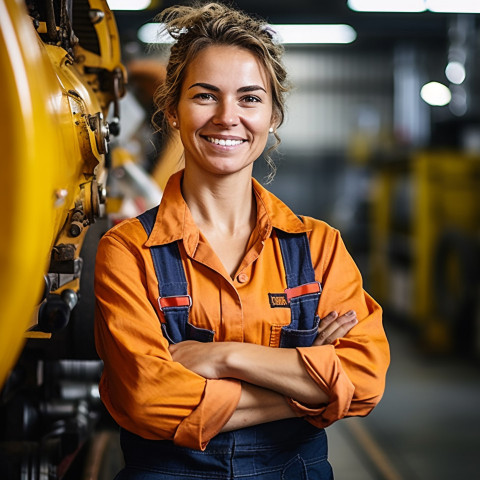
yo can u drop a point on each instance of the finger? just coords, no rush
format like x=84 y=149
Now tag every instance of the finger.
x=341 y=331
x=328 y=331
x=325 y=321
x=332 y=321
x=346 y=317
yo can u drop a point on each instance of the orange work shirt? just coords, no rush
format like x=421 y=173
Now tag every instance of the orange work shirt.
x=149 y=394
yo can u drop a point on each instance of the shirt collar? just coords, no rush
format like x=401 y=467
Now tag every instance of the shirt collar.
x=272 y=212
x=174 y=220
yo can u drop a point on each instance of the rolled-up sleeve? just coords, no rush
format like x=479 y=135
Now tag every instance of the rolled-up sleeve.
x=144 y=390
x=352 y=371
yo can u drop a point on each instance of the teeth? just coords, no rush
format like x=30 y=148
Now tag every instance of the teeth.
x=221 y=141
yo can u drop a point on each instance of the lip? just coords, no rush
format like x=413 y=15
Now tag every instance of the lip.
x=224 y=138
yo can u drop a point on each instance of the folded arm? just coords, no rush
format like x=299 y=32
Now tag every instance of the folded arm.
x=269 y=375
x=340 y=375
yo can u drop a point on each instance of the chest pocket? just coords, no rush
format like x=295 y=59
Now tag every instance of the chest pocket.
x=303 y=292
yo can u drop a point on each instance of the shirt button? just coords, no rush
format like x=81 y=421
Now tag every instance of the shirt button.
x=242 y=278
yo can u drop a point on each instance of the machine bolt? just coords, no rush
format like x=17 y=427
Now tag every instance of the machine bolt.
x=76 y=228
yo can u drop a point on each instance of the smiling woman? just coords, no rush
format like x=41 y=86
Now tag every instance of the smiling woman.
x=224 y=112
x=221 y=361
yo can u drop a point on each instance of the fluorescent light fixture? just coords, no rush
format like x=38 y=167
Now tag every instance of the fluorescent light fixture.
x=455 y=72
x=288 y=34
x=453 y=6
x=128 y=4
x=153 y=33
x=315 y=34
x=436 y=94
x=412 y=6
x=415 y=6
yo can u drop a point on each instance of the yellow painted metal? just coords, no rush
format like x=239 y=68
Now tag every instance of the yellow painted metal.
x=382 y=188
x=28 y=139
x=447 y=188
x=389 y=281
x=108 y=38
x=52 y=137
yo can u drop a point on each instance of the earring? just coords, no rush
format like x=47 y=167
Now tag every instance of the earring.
x=270 y=129
x=174 y=124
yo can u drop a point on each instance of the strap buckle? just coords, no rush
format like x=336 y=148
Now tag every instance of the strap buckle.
x=175 y=301
x=305 y=289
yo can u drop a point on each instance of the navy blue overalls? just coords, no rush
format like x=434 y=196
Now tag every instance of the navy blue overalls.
x=289 y=449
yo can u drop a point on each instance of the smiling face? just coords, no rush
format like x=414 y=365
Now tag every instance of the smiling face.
x=225 y=110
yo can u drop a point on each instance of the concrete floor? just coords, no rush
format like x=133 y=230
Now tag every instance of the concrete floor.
x=427 y=426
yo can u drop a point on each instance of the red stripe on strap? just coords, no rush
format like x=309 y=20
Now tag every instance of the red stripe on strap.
x=180 y=301
x=302 y=290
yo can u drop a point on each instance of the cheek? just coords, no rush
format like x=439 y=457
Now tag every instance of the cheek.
x=261 y=123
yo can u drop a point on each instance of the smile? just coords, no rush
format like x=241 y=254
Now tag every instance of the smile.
x=223 y=142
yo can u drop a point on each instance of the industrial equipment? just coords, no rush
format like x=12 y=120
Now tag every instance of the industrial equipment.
x=426 y=246
x=61 y=82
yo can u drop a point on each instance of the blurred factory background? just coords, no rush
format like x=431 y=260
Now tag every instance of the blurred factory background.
x=381 y=140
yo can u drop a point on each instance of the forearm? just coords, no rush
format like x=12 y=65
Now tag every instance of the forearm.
x=279 y=370
x=258 y=405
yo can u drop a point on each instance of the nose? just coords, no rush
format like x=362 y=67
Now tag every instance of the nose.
x=226 y=114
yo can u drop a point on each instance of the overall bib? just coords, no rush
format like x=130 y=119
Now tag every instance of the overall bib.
x=290 y=449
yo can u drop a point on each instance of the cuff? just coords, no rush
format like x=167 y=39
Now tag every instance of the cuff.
x=220 y=399
x=325 y=368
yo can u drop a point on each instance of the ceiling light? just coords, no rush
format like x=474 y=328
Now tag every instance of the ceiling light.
x=455 y=72
x=387 y=5
x=436 y=94
x=414 y=6
x=153 y=33
x=315 y=34
x=128 y=4
x=453 y=6
x=288 y=34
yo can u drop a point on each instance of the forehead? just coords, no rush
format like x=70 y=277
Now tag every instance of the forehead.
x=226 y=66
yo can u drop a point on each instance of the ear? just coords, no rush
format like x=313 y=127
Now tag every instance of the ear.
x=172 y=118
x=274 y=121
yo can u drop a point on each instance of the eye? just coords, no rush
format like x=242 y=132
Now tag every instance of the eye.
x=204 y=97
x=251 y=99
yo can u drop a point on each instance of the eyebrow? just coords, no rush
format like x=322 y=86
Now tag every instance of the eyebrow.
x=213 y=88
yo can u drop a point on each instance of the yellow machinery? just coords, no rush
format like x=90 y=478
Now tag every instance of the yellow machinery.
x=61 y=78
x=426 y=246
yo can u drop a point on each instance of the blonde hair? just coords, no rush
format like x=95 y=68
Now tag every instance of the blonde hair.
x=202 y=25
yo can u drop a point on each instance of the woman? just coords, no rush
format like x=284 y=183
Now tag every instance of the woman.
x=194 y=297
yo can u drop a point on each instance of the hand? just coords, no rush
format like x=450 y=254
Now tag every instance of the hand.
x=205 y=359
x=332 y=327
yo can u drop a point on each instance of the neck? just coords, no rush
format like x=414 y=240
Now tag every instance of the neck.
x=222 y=202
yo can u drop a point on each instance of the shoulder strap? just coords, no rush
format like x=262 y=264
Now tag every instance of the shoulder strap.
x=297 y=260
x=173 y=299
x=166 y=260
